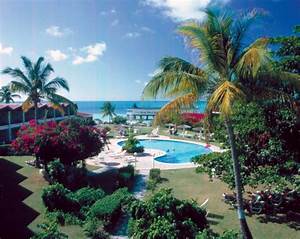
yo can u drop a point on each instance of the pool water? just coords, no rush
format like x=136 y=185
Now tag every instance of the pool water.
x=176 y=151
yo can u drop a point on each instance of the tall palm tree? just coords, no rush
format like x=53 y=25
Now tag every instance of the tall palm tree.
x=227 y=71
x=34 y=82
x=6 y=95
x=108 y=109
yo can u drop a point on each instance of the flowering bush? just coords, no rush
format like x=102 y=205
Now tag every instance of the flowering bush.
x=69 y=141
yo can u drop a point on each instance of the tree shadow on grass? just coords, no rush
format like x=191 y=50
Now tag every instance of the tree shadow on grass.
x=15 y=215
x=214 y=219
x=280 y=219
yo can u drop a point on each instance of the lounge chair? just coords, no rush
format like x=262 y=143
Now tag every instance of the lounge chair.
x=154 y=133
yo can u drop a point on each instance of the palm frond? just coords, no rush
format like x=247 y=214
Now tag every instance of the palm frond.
x=18 y=74
x=57 y=83
x=27 y=104
x=176 y=106
x=176 y=76
x=17 y=86
x=46 y=72
x=254 y=58
x=222 y=98
x=38 y=64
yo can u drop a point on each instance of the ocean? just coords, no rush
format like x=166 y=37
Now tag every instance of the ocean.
x=121 y=107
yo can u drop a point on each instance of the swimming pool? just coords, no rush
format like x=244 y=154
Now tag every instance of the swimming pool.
x=176 y=151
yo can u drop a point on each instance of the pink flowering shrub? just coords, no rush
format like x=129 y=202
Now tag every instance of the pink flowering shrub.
x=69 y=141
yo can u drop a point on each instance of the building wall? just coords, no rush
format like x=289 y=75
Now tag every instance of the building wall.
x=9 y=131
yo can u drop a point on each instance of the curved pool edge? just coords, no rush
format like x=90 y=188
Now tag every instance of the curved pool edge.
x=213 y=148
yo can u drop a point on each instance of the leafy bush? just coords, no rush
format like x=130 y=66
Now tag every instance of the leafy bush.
x=94 y=229
x=49 y=231
x=56 y=171
x=109 y=208
x=154 y=174
x=119 y=120
x=88 y=196
x=65 y=218
x=75 y=178
x=132 y=145
x=126 y=176
x=163 y=216
x=56 y=197
x=154 y=178
x=209 y=234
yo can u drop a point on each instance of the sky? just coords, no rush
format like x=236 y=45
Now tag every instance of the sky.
x=109 y=49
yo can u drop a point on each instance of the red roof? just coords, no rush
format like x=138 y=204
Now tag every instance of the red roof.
x=84 y=115
x=193 y=117
x=13 y=106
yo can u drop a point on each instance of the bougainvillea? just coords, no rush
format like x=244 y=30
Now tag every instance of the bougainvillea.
x=69 y=141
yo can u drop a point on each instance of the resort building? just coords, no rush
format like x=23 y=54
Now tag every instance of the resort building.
x=12 y=117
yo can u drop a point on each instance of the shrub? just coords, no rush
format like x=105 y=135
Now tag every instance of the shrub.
x=163 y=216
x=56 y=197
x=75 y=178
x=94 y=229
x=88 y=196
x=132 y=145
x=49 y=231
x=209 y=234
x=119 y=120
x=65 y=218
x=154 y=174
x=126 y=176
x=108 y=208
x=69 y=141
x=56 y=171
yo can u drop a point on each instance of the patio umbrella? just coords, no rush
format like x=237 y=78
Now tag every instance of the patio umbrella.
x=184 y=126
x=169 y=125
x=197 y=129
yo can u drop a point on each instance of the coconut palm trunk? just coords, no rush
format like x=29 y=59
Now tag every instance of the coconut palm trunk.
x=238 y=182
x=35 y=111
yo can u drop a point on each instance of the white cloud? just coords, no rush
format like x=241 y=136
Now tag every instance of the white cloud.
x=6 y=50
x=138 y=81
x=181 y=11
x=56 y=31
x=132 y=35
x=115 y=22
x=147 y=29
x=56 y=55
x=93 y=52
x=111 y=11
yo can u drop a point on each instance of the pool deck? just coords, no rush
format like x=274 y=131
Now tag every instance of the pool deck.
x=114 y=157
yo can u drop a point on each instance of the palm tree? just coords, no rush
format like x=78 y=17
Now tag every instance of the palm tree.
x=6 y=95
x=34 y=82
x=227 y=72
x=108 y=109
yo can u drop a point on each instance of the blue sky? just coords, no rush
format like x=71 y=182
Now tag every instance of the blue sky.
x=108 y=49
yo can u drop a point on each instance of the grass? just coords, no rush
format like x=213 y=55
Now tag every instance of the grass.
x=35 y=183
x=187 y=184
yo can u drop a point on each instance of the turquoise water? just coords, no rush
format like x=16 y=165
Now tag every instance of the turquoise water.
x=94 y=107
x=177 y=152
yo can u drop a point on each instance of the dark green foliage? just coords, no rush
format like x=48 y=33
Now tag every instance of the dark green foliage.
x=109 y=208
x=49 y=231
x=126 y=176
x=209 y=234
x=132 y=145
x=154 y=178
x=288 y=52
x=267 y=137
x=56 y=171
x=163 y=216
x=154 y=174
x=119 y=120
x=88 y=196
x=94 y=229
x=56 y=197
x=65 y=218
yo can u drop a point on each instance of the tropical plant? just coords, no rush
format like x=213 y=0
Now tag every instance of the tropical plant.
x=132 y=145
x=164 y=216
x=6 y=95
x=108 y=110
x=34 y=82
x=49 y=230
x=228 y=72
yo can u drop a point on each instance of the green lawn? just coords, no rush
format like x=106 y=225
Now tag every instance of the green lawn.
x=189 y=185
x=35 y=183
